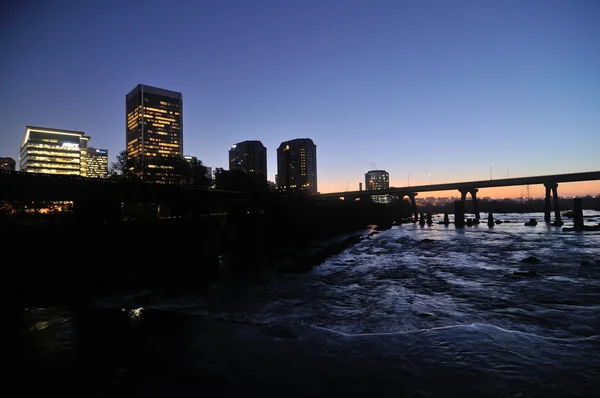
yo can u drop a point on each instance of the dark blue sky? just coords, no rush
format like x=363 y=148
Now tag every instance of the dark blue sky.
x=438 y=90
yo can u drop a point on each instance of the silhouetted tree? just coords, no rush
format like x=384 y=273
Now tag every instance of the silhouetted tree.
x=192 y=174
x=123 y=167
x=237 y=180
x=173 y=169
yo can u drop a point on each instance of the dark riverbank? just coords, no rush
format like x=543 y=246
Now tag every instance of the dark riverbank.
x=68 y=261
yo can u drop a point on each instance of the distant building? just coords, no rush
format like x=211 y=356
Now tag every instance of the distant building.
x=209 y=173
x=376 y=180
x=97 y=163
x=250 y=157
x=297 y=166
x=192 y=160
x=8 y=164
x=54 y=151
x=154 y=131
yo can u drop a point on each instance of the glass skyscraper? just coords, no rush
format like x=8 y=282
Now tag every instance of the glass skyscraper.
x=54 y=151
x=297 y=166
x=250 y=157
x=154 y=133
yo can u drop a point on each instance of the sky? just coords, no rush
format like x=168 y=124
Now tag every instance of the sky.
x=430 y=91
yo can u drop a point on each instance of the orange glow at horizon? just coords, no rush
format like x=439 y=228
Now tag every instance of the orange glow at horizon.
x=583 y=188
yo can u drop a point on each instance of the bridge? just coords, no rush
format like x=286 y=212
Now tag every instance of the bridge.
x=472 y=187
x=88 y=192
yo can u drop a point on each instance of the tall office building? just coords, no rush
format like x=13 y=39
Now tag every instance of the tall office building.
x=7 y=164
x=97 y=163
x=250 y=157
x=297 y=166
x=376 y=180
x=54 y=151
x=154 y=118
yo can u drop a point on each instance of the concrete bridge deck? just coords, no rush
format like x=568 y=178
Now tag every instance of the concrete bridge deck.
x=501 y=182
x=471 y=187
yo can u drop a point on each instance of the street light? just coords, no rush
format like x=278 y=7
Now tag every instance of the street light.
x=408 y=180
x=430 y=180
x=507 y=172
x=491 y=171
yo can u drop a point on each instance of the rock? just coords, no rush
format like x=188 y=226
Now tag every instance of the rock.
x=526 y=273
x=531 y=260
x=351 y=240
x=383 y=227
x=427 y=240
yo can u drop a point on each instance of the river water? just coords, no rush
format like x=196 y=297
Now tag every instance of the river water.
x=416 y=311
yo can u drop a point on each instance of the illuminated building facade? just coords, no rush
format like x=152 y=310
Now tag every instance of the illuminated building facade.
x=97 y=163
x=191 y=160
x=54 y=151
x=250 y=157
x=376 y=180
x=154 y=119
x=7 y=164
x=297 y=166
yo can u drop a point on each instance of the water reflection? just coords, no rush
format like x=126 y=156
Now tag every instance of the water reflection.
x=134 y=314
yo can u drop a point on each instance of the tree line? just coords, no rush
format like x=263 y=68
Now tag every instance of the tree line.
x=177 y=170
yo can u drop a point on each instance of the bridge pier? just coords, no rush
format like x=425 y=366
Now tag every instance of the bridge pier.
x=463 y=197
x=552 y=187
x=414 y=204
x=577 y=214
x=459 y=213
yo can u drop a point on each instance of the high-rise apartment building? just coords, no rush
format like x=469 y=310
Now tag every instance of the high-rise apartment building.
x=97 y=163
x=7 y=163
x=250 y=157
x=376 y=180
x=297 y=166
x=54 y=151
x=154 y=119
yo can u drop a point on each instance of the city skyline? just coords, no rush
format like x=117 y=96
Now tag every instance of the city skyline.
x=431 y=93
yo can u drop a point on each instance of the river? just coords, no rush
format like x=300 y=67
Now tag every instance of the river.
x=415 y=311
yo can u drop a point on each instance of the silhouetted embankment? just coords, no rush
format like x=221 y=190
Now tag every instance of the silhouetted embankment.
x=75 y=259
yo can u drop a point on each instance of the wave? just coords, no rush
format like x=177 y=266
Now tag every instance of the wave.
x=459 y=326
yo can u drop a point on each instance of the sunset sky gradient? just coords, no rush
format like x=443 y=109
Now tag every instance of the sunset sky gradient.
x=431 y=91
